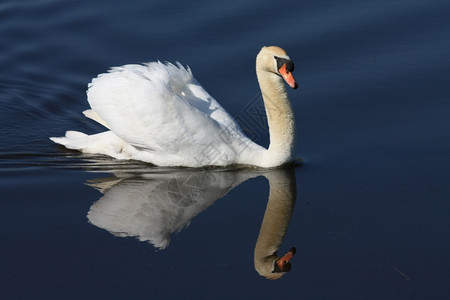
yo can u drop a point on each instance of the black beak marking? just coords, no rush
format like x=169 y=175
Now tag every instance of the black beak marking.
x=284 y=61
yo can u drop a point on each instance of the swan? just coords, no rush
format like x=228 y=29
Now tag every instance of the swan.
x=160 y=114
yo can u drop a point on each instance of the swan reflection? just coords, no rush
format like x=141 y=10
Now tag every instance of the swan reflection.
x=280 y=206
x=152 y=206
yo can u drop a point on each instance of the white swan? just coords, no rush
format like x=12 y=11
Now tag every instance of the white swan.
x=159 y=113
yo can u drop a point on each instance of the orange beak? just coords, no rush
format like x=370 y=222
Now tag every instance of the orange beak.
x=283 y=261
x=288 y=77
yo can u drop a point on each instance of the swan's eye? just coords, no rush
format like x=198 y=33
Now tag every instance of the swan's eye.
x=284 y=61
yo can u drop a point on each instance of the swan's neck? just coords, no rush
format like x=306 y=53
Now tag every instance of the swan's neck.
x=280 y=206
x=279 y=117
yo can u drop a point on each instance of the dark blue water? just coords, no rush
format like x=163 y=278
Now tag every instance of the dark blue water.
x=372 y=200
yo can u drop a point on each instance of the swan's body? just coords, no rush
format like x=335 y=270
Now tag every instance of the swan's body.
x=159 y=113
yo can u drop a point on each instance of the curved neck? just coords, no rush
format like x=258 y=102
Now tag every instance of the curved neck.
x=280 y=206
x=280 y=118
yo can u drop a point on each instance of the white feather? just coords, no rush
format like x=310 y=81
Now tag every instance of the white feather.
x=159 y=113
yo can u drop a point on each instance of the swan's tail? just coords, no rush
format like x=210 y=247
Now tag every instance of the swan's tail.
x=101 y=143
x=73 y=140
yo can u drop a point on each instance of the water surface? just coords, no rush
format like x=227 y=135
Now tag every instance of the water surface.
x=370 y=212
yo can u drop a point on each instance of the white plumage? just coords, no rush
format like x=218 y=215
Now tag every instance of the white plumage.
x=159 y=113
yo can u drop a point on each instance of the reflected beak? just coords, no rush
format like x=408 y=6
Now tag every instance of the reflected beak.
x=283 y=262
x=288 y=77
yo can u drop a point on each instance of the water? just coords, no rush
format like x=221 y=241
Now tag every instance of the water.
x=370 y=218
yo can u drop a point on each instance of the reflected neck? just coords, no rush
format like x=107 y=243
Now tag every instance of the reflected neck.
x=280 y=206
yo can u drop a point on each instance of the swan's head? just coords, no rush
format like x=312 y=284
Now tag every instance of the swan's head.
x=274 y=267
x=273 y=59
